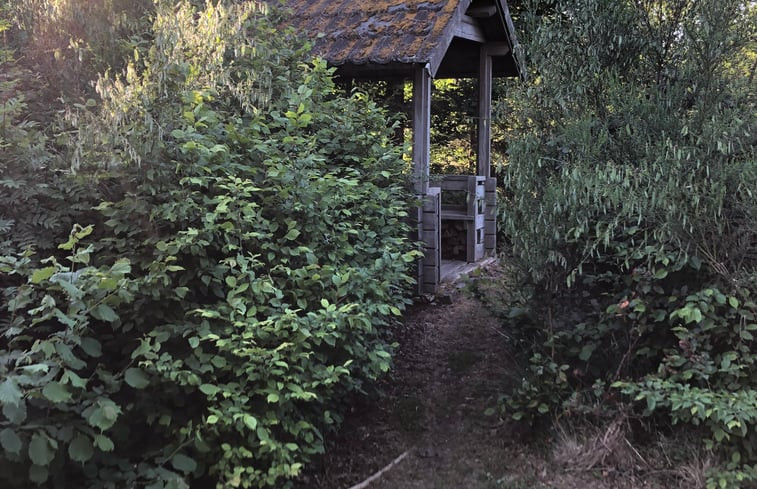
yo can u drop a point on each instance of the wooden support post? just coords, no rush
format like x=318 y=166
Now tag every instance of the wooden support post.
x=415 y=220
x=421 y=128
x=490 y=224
x=483 y=160
x=432 y=235
x=429 y=225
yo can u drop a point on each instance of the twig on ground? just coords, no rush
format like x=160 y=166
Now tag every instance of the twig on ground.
x=380 y=473
x=500 y=333
x=636 y=452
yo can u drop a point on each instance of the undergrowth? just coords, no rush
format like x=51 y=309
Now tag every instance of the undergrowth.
x=629 y=206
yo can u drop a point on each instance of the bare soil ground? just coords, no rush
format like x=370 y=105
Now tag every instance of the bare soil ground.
x=452 y=364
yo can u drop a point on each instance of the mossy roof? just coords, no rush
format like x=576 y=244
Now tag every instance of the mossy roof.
x=376 y=31
x=371 y=33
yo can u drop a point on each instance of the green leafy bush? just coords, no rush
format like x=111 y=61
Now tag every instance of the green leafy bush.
x=246 y=261
x=630 y=208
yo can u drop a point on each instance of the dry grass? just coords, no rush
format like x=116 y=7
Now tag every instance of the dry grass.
x=667 y=463
x=598 y=448
x=688 y=459
x=693 y=475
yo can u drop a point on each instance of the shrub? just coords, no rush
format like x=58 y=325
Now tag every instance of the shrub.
x=239 y=278
x=630 y=209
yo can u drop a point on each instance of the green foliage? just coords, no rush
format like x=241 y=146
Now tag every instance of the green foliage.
x=630 y=208
x=636 y=146
x=454 y=126
x=56 y=396
x=247 y=257
x=706 y=377
x=38 y=203
x=454 y=120
x=23 y=148
x=66 y=43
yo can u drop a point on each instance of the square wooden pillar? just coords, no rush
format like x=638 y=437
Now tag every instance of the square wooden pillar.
x=490 y=214
x=428 y=223
x=483 y=156
x=421 y=128
x=432 y=237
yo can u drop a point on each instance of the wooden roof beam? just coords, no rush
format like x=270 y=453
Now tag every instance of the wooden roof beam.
x=497 y=49
x=482 y=11
x=468 y=28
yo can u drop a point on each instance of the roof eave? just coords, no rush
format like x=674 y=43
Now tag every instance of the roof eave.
x=512 y=39
x=437 y=55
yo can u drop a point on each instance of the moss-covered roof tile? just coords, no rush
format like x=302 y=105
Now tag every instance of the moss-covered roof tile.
x=376 y=31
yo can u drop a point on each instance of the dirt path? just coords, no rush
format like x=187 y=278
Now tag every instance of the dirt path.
x=448 y=372
x=452 y=364
x=446 y=386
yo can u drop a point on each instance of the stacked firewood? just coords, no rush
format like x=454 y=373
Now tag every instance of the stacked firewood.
x=454 y=242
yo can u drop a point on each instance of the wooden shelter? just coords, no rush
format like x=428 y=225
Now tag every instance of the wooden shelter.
x=421 y=40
